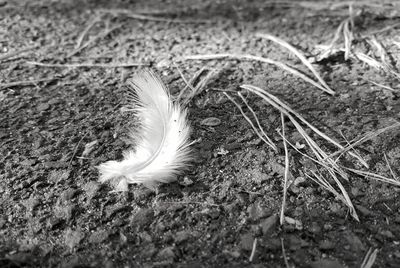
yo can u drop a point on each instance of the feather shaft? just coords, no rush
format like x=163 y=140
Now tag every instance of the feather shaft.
x=162 y=147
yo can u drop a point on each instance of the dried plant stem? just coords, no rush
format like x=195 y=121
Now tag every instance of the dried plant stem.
x=278 y=103
x=25 y=83
x=364 y=139
x=284 y=254
x=253 y=250
x=138 y=16
x=331 y=167
x=86 y=30
x=257 y=121
x=265 y=139
x=286 y=175
x=369 y=258
x=296 y=52
x=92 y=40
x=390 y=168
x=16 y=53
x=79 y=65
x=260 y=59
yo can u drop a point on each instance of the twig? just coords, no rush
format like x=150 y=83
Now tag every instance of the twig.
x=298 y=54
x=390 y=168
x=130 y=14
x=86 y=30
x=78 y=65
x=277 y=103
x=253 y=250
x=257 y=121
x=15 y=53
x=284 y=254
x=261 y=59
x=364 y=139
x=387 y=28
x=25 y=83
x=374 y=176
x=382 y=86
x=268 y=141
x=92 y=40
x=286 y=176
x=76 y=150
x=369 y=258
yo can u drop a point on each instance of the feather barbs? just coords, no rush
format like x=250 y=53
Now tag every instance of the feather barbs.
x=162 y=147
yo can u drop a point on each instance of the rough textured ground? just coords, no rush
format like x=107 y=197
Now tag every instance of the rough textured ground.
x=54 y=213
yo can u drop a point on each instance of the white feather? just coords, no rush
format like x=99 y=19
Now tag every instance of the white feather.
x=162 y=147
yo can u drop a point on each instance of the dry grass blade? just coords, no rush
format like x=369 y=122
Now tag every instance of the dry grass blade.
x=285 y=259
x=86 y=30
x=331 y=167
x=25 y=83
x=260 y=59
x=258 y=122
x=16 y=53
x=200 y=86
x=380 y=50
x=296 y=52
x=348 y=38
x=385 y=29
x=138 y=16
x=390 y=168
x=382 y=86
x=320 y=180
x=188 y=84
x=94 y=39
x=279 y=103
x=79 y=65
x=364 y=139
x=376 y=64
x=286 y=176
x=374 y=176
x=336 y=36
x=369 y=258
x=253 y=250
x=266 y=140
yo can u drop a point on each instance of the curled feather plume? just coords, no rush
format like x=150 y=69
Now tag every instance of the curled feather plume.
x=162 y=147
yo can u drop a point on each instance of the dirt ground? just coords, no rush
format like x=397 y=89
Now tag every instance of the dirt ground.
x=58 y=123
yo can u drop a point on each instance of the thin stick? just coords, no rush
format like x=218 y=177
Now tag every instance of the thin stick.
x=191 y=82
x=387 y=28
x=92 y=40
x=298 y=54
x=278 y=103
x=377 y=177
x=286 y=176
x=86 y=30
x=261 y=59
x=79 y=65
x=382 y=86
x=369 y=258
x=273 y=146
x=25 y=83
x=15 y=53
x=129 y=14
x=348 y=38
x=364 y=139
x=253 y=250
x=390 y=168
x=257 y=121
x=284 y=254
